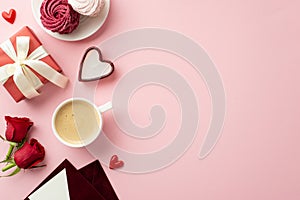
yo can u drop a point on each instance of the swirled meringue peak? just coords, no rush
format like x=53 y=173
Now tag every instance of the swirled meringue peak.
x=59 y=16
x=90 y=8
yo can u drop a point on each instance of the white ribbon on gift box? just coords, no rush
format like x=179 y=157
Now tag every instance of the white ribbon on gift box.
x=26 y=81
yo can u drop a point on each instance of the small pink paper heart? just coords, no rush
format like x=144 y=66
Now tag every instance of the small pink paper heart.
x=93 y=66
x=115 y=162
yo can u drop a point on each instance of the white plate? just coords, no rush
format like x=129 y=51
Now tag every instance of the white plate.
x=87 y=25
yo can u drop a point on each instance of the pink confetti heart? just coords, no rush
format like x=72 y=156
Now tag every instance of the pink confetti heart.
x=115 y=162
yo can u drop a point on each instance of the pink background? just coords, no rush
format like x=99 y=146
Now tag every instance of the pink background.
x=254 y=44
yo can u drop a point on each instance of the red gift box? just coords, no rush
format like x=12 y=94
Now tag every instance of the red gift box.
x=5 y=59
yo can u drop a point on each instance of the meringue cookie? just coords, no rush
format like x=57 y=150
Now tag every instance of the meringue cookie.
x=90 y=8
x=59 y=16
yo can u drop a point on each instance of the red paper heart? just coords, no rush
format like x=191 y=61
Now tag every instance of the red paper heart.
x=115 y=162
x=9 y=17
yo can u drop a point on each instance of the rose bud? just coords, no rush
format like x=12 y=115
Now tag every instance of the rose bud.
x=17 y=128
x=29 y=155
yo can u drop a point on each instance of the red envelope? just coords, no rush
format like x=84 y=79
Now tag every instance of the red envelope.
x=95 y=174
x=90 y=182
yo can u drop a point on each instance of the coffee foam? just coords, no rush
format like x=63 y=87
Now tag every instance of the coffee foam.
x=76 y=122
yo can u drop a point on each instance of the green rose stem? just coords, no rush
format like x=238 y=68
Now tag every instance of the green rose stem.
x=9 y=166
x=17 y=170
x=12 y=145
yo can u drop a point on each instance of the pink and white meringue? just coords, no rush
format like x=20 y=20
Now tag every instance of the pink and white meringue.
x=90 y=8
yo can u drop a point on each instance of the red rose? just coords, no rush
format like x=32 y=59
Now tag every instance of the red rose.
x=17 y=128
x=30 y=154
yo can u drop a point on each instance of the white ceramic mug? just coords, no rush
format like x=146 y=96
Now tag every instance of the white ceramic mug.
x=77 y=122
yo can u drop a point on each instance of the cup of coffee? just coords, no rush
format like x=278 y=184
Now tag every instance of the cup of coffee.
x=77 y=122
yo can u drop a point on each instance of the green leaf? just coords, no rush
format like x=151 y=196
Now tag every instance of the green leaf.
x=22 y=143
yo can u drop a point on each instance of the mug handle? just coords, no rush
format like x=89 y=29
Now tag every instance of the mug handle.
x=105 y=107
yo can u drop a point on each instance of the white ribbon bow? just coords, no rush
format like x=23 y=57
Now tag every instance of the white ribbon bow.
x=26 y=81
